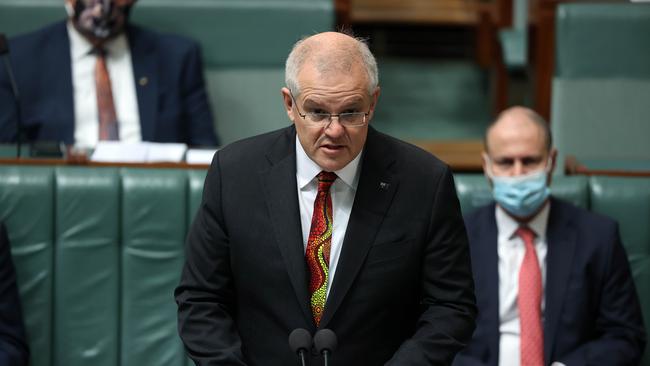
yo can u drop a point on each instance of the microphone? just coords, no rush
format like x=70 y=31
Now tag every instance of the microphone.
x=300 y=343
x=325 y=342
x=4 y=52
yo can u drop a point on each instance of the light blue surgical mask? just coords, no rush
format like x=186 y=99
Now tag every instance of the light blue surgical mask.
x=522 y=195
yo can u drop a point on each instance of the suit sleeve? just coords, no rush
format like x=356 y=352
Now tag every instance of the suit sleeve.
x=198 y=116
x=620 y=336
x=205 y=295
x=447 y=288
x=13 y=342
x=7 y=108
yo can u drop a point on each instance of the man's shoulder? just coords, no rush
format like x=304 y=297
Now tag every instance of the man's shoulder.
x=170 y=42
x=257 y=148
x=406 y=155
x=27 y=42
x=579 y=216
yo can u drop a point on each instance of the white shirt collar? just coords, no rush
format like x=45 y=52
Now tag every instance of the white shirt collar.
x=307 y=169
x=80 y=47
x=507 y=226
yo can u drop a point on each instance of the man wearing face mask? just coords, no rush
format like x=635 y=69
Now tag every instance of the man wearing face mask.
x=553 y=284
x=97 y=77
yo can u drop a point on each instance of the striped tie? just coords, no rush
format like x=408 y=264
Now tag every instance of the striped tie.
x=319 y=243
x=105 y=107
x=529 y=301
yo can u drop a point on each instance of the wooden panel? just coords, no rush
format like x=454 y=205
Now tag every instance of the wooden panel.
x=460 y=155
x=414 y=11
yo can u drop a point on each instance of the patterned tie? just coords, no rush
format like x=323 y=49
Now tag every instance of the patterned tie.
x=319 y=243
x=105 y=107
x=529 y=302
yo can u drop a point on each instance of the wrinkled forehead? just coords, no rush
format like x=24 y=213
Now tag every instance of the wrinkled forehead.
x=105 y=2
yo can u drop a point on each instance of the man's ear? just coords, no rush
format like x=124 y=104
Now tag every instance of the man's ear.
x=485 y=162
x=288 y=103
x=553 y=157
x=373 y=102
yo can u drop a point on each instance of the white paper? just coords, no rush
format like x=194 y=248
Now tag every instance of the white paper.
x=200 y=156
x=143 y=152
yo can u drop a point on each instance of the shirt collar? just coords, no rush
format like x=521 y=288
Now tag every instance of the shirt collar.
x=80 y=47
x=507 y=226
x=307 y=169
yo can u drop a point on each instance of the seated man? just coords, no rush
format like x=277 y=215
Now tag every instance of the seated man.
x=13 y=343
x=553 y=284
x=95 y=77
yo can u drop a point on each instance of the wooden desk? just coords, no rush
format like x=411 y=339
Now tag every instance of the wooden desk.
x=634 y=168
x=461 y=155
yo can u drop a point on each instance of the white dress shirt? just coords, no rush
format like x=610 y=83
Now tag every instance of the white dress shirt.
x=342 y=192
x=511 y=252
x=120 y=69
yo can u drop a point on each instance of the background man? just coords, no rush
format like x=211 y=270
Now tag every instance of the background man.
x=14 y=350
x=553 y=284
x=96 y=77
x=327 y=224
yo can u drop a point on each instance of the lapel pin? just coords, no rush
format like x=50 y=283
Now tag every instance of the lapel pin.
x=143 y=81
x=383 y=185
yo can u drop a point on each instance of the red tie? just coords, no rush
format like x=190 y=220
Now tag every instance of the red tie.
x=319 y=243
x=529 y=302
x=105 y=107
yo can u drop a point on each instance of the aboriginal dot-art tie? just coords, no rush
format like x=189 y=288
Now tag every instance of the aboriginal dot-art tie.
x=108 y=129
x=529 y=301
x=319 y=244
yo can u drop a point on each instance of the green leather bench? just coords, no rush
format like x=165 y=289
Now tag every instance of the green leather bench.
x=601 y=85
x=244 y=44
x=99 y=251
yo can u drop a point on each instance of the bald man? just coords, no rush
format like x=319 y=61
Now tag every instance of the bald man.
x=553 y=284
x=327 y=224
x=96 y=77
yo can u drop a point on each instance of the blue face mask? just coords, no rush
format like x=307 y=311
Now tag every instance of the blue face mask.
x=523 y=195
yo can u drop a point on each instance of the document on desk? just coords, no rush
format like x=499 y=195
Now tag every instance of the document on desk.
x=142 y=152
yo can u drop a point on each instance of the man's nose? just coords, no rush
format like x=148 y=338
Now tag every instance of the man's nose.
x=334 y=128
x=518 y=168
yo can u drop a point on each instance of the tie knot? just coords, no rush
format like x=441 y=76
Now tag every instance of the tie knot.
x=99 y=51
x=526 y=234
x=325 y=180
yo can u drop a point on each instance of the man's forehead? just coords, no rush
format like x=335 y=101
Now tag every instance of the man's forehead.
x=116 y=2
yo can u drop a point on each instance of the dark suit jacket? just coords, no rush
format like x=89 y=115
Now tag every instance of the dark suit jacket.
x=172 y=103
x=13 y=342
x=402 y=293
x=592 y=314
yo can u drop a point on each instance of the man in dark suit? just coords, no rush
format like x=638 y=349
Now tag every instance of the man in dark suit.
x=553 y=284
x=158 y=91
x=13 y=342
x=381 y=259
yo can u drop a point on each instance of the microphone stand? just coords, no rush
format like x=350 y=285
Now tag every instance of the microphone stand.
x=19 y=127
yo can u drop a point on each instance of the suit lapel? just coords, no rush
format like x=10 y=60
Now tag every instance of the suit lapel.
x=145 y=74
x=561 y=239
x=377 y=186
x=59 y=66
x=280 y=189
x=487 y=278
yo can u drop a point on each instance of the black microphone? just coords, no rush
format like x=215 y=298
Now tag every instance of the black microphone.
x=325 y=342
x=4 y=52
x=300 y=343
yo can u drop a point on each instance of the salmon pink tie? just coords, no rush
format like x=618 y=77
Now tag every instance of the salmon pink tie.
x=319 y=244
x=105 y=106
x=529 y=302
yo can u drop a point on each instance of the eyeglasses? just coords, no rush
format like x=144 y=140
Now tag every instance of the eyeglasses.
x=323 y=120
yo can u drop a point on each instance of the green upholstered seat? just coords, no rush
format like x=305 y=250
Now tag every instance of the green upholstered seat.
x=601 y=86
x=27 y=208
x=627 y=200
